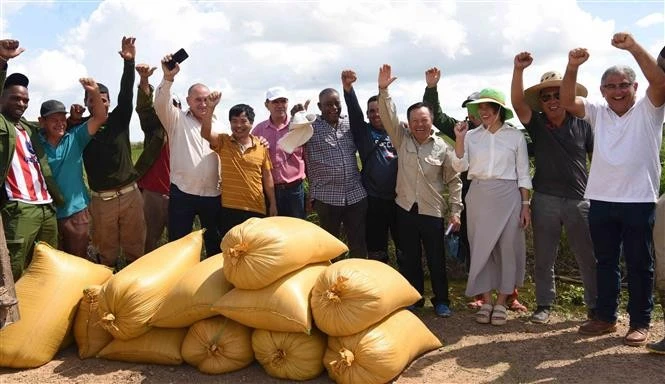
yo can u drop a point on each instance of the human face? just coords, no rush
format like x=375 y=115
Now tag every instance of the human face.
x=550 y=104
x=14 y=102
x=240 y=126
x=105 y=100
x=420 y=124
x=278 y=108
x=330 y=107
x=373 y=115
x=196 y=99
x=489 y=114
x=54 y=125
x=619 y=92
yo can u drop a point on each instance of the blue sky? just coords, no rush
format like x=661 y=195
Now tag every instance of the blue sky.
x=243 y=48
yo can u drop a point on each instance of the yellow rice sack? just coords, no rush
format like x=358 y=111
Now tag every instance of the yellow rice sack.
x=218 y=345
x=193 y=296
x=260 y=251
x=132 y=296
x=88 y=332
x=157 y=346
x=380 y=353
x=353 y=294
x=48 y=295
x=281 y=306
x=291 y=356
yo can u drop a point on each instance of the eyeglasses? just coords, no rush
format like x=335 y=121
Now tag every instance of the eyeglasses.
x=614 y=87
x=545 y=97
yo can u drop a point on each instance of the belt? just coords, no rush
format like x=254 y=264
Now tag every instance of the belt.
x=110 y=195
x=288 y=185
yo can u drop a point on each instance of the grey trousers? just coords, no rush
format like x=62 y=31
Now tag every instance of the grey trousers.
x=549 y=213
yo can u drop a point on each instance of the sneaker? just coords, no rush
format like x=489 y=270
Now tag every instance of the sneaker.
x=597 y=327
x=541 y=315
x=442 y=310
x=657 y=347
x=636 y=337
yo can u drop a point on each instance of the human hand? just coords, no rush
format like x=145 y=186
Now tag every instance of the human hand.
x=9 y=49
x=128 y=48
x=272 y=210
x=623 y=40
x=76 y=111
x=348 y=78
x=299 y=107
x=461 y=128
x=432 y=77
x=525 y=216
x=144 y=70
x=455 y=222
x=577 y=56
x=212 y=100
x=385 y=76
x=263 y=141
x=169 y=74
x=523 y=60
x=89 y=85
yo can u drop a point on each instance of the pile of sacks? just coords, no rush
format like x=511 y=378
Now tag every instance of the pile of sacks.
x=271 y=295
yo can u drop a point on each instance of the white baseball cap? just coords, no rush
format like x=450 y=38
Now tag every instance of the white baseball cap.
x=275 y=93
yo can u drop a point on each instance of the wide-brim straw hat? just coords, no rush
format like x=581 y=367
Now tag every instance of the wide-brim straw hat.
x=489 y=95
x=300 y=131
x=548 y=80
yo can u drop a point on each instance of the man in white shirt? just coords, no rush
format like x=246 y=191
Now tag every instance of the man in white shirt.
x=195 y=183
x=623 y=183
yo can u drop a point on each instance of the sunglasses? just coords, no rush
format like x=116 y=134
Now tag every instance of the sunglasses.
x=545 y=97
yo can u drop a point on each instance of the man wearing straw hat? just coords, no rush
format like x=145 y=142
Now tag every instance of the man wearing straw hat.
x=623 y=183
x=561 y=143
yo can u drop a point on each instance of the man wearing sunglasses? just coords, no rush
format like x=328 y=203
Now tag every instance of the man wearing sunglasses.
x=561 y=144
x=623 y=182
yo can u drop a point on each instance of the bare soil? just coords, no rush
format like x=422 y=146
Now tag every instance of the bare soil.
x=519 y=352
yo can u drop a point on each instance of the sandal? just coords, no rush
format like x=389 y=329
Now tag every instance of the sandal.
x=517 y=306
x=483 y=315
x=499 y=315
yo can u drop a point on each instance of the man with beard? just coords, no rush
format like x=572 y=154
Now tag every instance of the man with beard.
x=561 y=143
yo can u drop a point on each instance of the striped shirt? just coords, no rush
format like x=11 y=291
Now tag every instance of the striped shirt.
x=332 y=166
x=242 y=172
x=25 y=181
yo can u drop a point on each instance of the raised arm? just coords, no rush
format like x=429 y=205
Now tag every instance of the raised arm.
x=206 y=124
x=126 y=94
x=98 y=112
x=356 y=116
x=522 y=109
x=144 y=104
x=655 y=76
x=573 y=104
x=9 y=49
x=168 y=114
x=443 y=122
x=387 y=110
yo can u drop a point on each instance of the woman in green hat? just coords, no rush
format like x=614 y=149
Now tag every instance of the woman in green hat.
x=495 y=155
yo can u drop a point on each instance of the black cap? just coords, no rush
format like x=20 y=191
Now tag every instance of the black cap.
x=50 y=107
x=16 y=79
x=472 y=97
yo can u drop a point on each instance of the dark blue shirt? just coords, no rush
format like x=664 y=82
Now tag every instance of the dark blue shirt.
x=377 y=154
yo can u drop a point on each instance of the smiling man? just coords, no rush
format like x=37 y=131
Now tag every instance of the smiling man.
x=561 y=143
x=623 y=182
x=64 y=149
x=244 y=166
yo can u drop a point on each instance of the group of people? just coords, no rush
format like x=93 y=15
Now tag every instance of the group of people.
x=408 y=186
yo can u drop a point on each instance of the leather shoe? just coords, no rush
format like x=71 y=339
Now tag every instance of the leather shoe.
x=636 y=337
x=597 y=327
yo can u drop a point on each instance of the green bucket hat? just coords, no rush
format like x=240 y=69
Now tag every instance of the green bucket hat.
x=489 y=95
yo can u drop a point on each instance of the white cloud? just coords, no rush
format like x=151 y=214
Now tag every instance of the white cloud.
x=243 y=48
x=649 y=20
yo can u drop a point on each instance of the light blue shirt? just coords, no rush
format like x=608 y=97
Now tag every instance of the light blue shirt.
x=66 y=163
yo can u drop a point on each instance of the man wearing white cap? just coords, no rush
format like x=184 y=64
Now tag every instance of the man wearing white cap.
x=623 y=182
x=561 y=143
x=288 y=168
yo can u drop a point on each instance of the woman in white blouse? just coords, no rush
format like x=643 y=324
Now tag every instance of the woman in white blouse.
x=497 y=204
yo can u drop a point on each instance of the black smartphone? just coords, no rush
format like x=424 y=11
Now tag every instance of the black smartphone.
x=177 y=57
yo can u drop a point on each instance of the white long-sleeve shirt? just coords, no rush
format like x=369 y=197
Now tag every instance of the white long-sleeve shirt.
x=501 y=155
x=194 y=166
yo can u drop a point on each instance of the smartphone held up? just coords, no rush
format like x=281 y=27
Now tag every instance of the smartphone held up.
x=177 y=57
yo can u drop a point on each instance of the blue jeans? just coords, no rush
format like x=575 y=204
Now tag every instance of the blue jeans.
x=182 y=209
x=290 y=200
x=627 y=226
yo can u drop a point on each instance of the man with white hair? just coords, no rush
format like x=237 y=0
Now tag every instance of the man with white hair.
x=623 y=183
